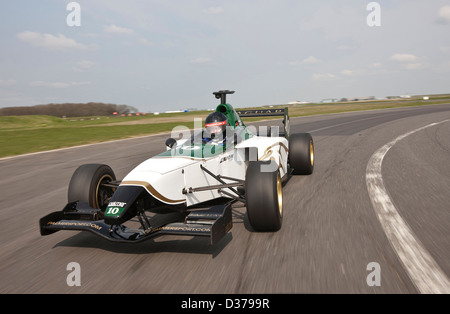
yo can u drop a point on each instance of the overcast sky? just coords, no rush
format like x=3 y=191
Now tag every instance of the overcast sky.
x=170 y=55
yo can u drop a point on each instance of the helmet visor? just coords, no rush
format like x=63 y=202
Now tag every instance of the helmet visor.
x=216 y=128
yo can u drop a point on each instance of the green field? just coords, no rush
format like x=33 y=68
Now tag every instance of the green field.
x=27 y=134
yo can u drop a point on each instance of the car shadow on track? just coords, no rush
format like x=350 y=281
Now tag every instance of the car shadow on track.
x=176 y=244
x=240 y=216
x=166 y=243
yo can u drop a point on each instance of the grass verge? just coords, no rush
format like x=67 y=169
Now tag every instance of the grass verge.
x=28 y=134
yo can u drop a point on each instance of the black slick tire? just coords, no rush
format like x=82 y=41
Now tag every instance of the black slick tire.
x=264 y=197
x=86 y=185
x=301 y=153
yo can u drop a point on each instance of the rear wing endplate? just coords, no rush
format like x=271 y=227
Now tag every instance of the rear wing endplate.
x=284 y=112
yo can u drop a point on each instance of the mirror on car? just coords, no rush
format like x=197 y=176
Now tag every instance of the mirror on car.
x=170 y=142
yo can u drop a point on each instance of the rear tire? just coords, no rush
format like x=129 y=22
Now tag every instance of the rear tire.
x=264 y=197
x=86 y=185
x=301 y=153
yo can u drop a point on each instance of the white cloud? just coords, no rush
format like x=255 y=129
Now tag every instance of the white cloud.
x=49 y=84
x=292 y=63
x=409 y=61
x=214 y=10
x=202 y=60
x=376 y=65
x=9 y=82
x=414 y=66
x=114 y=29
x=83 y=66
x=51 y=42
x=80 y=83
x=345 y=47
x=357 y=72
x=144 y=41
x=403 y=57
x=323 y=77
x=310 y=60
x=444 y=15
x=347 y=72
x=57 y=84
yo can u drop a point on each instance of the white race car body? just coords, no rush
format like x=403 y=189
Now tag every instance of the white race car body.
x=167 y=175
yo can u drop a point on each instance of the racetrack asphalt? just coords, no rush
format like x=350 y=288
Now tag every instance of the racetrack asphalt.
x=330 y=238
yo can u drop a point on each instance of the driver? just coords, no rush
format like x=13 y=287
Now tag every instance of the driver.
x=215 y=124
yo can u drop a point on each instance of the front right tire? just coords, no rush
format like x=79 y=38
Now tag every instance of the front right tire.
x=87 y=185
x=264 y=196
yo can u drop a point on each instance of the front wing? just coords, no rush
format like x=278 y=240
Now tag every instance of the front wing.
x=212 y=222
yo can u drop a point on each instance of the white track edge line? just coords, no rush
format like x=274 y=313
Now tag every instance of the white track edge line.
x=423 y=271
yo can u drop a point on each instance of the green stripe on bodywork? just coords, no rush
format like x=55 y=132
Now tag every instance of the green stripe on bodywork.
x=195 y=151
x=207 y=150
x=233 y=118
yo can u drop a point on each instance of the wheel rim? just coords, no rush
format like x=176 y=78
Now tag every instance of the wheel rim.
x=103 y=194
x=279 y=195
x=311 y=152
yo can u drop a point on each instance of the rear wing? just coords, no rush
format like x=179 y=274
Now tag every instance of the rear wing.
x=284 y=112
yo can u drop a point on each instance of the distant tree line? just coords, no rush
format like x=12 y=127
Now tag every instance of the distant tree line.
x=69 y=110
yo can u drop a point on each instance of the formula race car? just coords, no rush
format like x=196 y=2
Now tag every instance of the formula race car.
x=189 y=188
